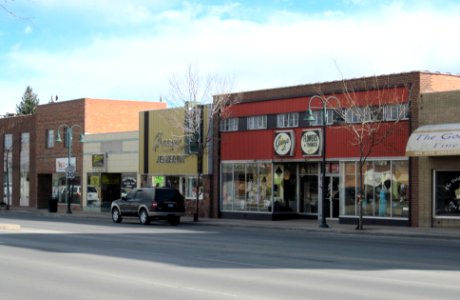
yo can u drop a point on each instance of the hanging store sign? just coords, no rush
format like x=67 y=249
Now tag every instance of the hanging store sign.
x=284 y=143
x=310 y=142
x=62 y=163
x=435 y=140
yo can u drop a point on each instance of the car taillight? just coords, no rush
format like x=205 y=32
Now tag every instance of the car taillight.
x=154 y=204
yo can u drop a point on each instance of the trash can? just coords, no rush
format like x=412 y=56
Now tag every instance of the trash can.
x=53 y=205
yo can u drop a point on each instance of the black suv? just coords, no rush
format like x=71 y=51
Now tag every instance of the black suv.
x=149 y=204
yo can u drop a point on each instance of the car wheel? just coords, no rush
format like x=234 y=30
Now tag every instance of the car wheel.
x=116 y=216
x=174 y=221
x=144 y=218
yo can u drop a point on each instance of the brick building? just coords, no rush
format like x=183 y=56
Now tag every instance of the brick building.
x=435 y=148
x=48 y=158
x=258 y=180
x=18 y=163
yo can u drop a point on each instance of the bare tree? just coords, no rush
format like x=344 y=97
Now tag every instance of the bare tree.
x=4 y=5
x=202 y=98
x=370 y=109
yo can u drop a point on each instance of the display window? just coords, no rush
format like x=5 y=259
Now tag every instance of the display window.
x=61 y=188
x=447 y=194
x=246 y=187
x=385 y=190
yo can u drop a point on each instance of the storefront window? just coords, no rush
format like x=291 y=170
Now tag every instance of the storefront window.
x=265 y=177
x=93 y=193
x=8 y=168
x=251 y=187
x=247 y=187
x=190 y=188
x=399 y=188
x=25 y=167
x=386 y=186
x=350 y=183
x=447 y=193
x=60 y=189
x=384 y=182
x=285 y=187
x=240 y=187
x=228 y=187
x=370 y=185
x=128 y=182
x=308 y=188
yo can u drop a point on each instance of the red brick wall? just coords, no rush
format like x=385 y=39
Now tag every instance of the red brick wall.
x=93 y=116
x=16 y=126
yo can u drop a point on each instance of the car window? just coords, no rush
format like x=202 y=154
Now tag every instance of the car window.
x=92 y=189
x=148 y=194
x=137 y=195
x=130 y=195
x=165 y=194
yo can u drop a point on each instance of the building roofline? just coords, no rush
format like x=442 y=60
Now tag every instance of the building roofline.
x=334 y=87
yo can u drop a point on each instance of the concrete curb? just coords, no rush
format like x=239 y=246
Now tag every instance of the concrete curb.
x=303 y=225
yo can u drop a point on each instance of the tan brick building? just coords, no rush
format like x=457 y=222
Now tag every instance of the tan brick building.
x=435 y=148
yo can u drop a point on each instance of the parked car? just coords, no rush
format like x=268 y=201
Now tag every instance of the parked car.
x=92 y=196
x=149 y=204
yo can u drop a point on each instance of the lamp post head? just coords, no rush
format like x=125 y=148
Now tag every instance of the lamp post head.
x=309 y=116
x=58 y=139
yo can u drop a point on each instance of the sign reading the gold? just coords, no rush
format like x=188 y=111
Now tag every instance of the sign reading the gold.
x=283 y=143
x=310 y=142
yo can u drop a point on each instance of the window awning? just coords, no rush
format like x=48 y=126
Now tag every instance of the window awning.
x=435 y=140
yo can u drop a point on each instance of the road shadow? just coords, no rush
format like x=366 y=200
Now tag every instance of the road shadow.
x=203 y=246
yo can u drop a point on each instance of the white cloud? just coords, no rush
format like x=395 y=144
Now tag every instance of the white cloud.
x=28 y=30
x=289 y=49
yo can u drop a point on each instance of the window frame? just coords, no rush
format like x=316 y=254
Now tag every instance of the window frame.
x=287 y=120
x=257 y=122
x=393 y=112
x=49 y=139
x=230 y=124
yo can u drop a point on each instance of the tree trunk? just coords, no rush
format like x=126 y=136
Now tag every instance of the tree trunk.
x=360 y=198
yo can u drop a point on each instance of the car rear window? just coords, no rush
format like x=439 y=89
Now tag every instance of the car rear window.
x=92 y=189
x=167 y=194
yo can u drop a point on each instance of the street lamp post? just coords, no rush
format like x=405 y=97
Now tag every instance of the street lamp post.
x=309 y=117
x=70 y=169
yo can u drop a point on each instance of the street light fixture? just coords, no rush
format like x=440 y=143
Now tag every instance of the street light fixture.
x=70 y=169
x=309 y=117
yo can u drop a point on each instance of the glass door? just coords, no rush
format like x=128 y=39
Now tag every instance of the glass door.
x=332 y=197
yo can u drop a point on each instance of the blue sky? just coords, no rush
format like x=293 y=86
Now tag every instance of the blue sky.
x=120 y=49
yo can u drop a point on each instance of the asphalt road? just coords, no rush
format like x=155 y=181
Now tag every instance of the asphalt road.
x=52 y=258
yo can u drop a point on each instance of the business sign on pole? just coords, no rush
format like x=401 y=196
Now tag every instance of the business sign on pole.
x=70 y=172
x=63 y=162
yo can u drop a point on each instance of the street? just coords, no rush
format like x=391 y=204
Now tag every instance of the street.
x=60 y=258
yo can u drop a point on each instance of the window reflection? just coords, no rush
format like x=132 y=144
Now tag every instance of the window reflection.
x=246 y=187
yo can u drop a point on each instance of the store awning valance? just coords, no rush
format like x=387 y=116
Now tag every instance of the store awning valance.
x=435 y=140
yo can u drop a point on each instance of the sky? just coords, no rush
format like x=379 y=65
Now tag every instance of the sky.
x=129 y=50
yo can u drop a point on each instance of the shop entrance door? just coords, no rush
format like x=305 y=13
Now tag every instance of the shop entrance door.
x=332 y=196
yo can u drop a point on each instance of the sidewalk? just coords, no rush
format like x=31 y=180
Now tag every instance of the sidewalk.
x=298 y=224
